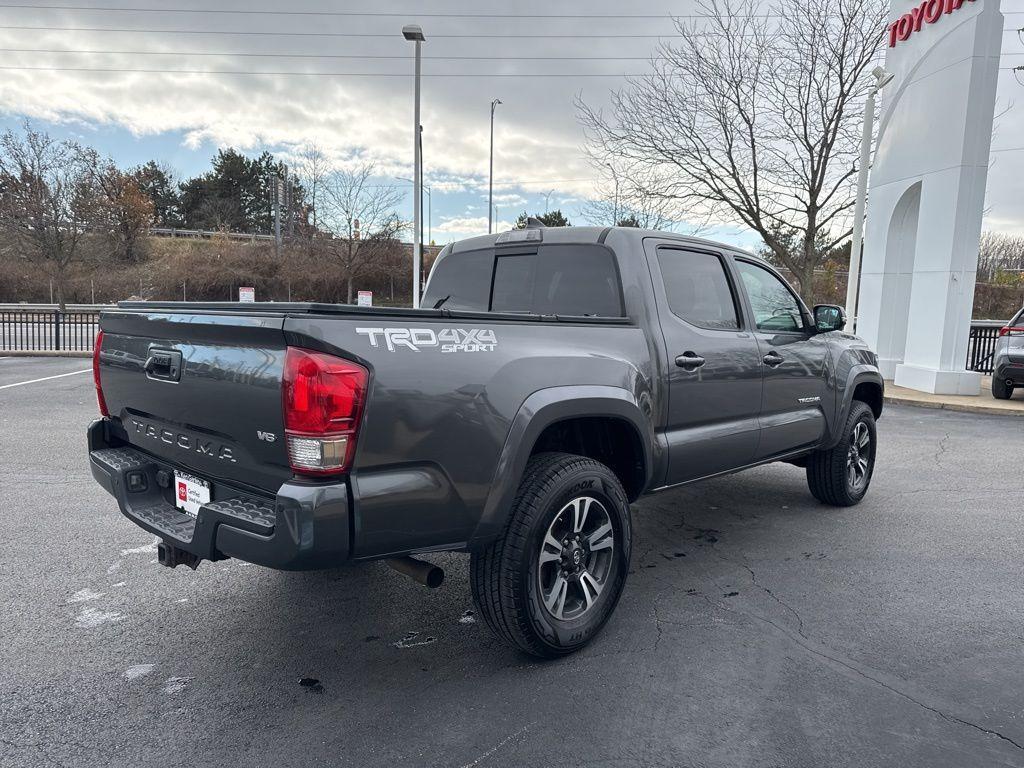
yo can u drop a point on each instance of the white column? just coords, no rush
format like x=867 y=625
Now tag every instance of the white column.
x=927 y=196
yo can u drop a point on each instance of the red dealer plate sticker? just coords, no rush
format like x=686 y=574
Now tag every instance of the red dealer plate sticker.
x=190 y=493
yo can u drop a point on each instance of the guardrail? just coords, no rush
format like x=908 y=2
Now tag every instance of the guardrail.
x=206 y=234
x=48 y=330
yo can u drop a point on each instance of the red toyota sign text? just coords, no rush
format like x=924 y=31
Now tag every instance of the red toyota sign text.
x=928 y=12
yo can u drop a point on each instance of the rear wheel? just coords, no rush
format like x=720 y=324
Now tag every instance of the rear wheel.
x=841 y=475
x=1001 y=390
x=553 y=578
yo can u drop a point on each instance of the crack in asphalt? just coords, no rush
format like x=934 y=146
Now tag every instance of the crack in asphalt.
x=777 y=599
x=822 y=652
x=807 y=644
x=657 y=625
x=511 y=737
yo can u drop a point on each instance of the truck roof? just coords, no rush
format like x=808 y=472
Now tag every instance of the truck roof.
x=586 y=235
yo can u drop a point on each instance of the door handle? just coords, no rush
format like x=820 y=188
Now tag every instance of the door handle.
x=690 y=361
x=163 y=364
x=773 y=359
x=157 y=365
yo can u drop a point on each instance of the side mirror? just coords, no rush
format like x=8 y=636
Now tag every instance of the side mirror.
x=828 y=317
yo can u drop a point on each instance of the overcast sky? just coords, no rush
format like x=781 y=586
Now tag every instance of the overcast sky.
x=182 y=119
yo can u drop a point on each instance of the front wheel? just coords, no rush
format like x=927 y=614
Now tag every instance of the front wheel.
x=551 y=580
x=841 y=475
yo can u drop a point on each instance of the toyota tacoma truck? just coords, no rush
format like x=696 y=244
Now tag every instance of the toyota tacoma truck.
x=552 y=377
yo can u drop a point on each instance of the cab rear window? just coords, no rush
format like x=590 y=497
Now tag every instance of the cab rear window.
x=580 y=280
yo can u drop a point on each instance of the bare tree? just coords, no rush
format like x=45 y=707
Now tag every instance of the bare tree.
x=49 y=199
x=126 y=208
x=313 y=168
x=751 y=116
x=626 y=200
x=1000 y=254
x=360 y=218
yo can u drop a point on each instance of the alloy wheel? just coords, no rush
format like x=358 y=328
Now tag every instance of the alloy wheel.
x=576 y=557
x=858 y=457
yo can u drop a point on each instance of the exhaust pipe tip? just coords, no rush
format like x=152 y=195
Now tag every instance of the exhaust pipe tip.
x=427 y=574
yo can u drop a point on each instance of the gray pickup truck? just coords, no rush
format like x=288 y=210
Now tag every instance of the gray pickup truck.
x=552 y=377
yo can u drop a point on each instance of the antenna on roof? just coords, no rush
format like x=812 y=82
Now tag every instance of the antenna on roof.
x=532 y=222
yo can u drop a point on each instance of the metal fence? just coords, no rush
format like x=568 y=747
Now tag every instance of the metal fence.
x=981 y=345
x=48 y=330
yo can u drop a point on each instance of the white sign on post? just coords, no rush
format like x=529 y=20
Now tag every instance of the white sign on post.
x=365 y=299
x=247 y=294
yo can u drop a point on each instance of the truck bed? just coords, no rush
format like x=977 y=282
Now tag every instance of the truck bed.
x=444 y=390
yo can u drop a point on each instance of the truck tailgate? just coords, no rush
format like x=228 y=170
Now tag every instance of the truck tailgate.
x=201 y=390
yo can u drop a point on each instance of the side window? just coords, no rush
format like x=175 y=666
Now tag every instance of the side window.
x=559 y=279
x=462 y=281
x=775 y=307
x=698 y=289
x=580 y=279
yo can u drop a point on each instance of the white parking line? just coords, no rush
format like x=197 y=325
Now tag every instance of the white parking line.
x=45 y=378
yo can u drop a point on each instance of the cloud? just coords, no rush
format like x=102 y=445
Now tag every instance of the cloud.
x=537 y=140
x=470 y=225
x=510 y=198
x=352 y=119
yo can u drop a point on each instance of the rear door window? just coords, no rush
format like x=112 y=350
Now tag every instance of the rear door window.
x=580 y=280
x=697 y=288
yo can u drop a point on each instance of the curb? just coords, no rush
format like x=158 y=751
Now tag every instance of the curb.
x=44 y=353
x=988 y=410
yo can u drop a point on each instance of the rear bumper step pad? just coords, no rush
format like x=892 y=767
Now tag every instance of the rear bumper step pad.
x=151 y=507
x=304 y=527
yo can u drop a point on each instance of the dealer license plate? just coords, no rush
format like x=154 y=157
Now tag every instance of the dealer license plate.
x=190 y=493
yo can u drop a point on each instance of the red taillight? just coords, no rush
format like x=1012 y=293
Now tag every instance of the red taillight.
x=1010 y=330
x=100 y=401
x=323 y=400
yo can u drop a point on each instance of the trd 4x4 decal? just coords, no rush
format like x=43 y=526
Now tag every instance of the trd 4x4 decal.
x=418 y=339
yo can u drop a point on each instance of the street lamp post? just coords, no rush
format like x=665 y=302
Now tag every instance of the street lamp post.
x=430 y=215
x=430 y=205
x=490 y=176
x=882 y=78
x=615 y=205
x=413 y=33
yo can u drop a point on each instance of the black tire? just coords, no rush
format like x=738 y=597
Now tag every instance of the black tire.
x=829 y=472
x=507 y=577
x=1001 y=390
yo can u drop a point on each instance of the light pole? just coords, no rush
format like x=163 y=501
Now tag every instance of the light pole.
x=430 y=197
x=415 y=34
x=615 y=208
x=490 y=176
x=430 y=205
x=882 y=78
x=430 y=215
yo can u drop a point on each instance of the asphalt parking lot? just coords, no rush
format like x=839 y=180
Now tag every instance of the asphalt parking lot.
x=757 y=628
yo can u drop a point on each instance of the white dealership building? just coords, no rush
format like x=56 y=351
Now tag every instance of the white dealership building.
x=927 y=191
